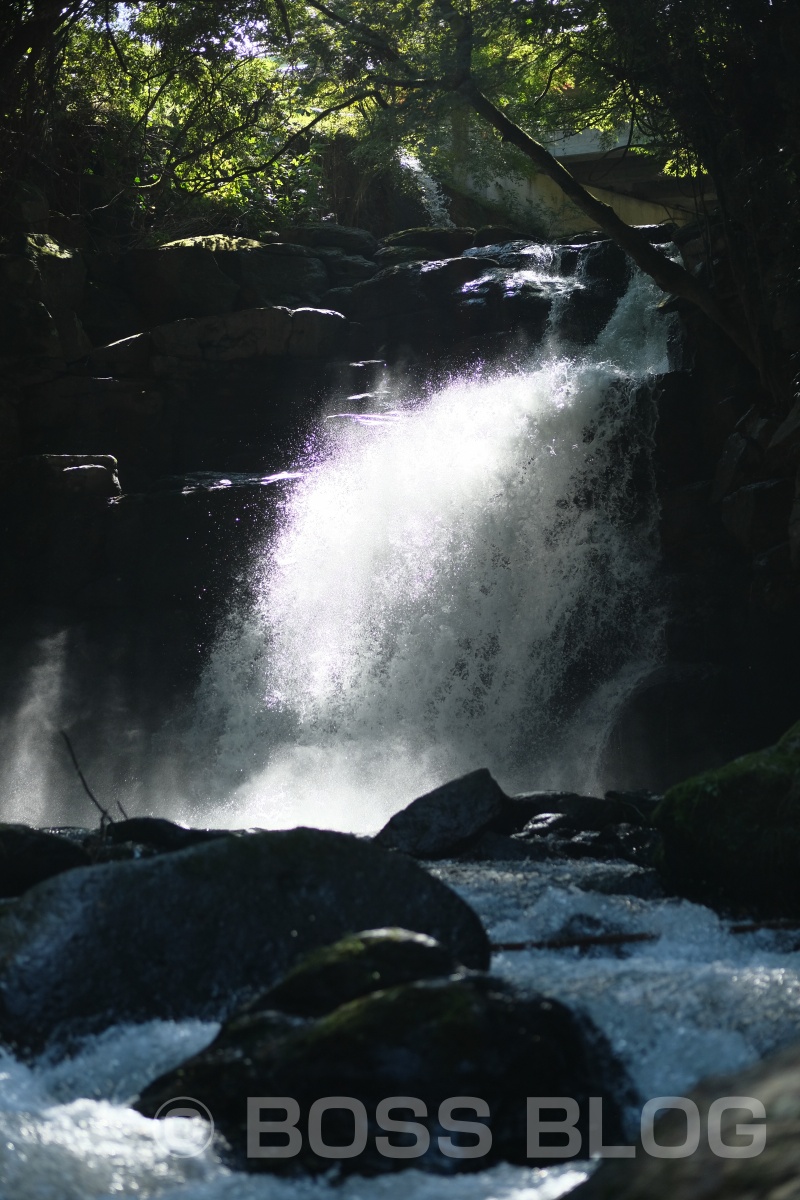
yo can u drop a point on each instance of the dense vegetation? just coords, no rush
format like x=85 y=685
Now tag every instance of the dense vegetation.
x=160 y=117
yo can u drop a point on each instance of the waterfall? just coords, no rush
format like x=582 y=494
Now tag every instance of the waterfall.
x=458 y=580
x=433 y=198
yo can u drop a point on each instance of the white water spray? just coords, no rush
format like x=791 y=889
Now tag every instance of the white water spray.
x=467 y=582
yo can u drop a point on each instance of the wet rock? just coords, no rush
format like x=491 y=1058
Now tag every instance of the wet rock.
x=355 y=966
x=159 y=834
x=29 y=856
x=439 y=242
x=584 y=314
x=607 y=263
x=195 y=932
x=435 y=823
x=732 y=835
x=431 y=1041
x=706 y=1173
x=533 y=813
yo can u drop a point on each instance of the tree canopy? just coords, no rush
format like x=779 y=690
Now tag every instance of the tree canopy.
x=147 y=113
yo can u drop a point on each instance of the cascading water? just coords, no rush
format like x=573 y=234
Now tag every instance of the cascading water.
x=459 y=581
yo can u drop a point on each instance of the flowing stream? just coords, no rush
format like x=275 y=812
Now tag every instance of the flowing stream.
x=464 y=579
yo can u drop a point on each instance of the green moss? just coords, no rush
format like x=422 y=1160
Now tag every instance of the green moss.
x=215 y=242
x=733 y=833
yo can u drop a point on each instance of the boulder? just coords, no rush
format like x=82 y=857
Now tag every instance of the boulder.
x=392 y=256
x=584 y=812
x=317 y=333
x=269 y=272
x=345 y=269
x=411 y=287
x=732 y=836
x=437 y=822
x=325 y=233
x=130 y=356
x=158 y=834
x=29 y=856
x=432 y=1041
x=250 y=333
x=355 y=966
x=771 y=1134
x=196 y=932
x=439 y=241
x=180 y=279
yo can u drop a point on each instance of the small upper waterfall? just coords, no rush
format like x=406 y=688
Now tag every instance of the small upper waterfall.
x=459 y=579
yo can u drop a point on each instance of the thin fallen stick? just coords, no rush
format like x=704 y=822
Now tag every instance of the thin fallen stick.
x=104 y=814
x=597 y=939
x=775 y=923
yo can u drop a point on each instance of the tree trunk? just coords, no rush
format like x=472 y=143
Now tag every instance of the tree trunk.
x=667 y=274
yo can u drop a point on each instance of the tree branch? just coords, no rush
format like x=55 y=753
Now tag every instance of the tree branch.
x=668 y=275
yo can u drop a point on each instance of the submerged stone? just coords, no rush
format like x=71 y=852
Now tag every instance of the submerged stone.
x=423 y=1044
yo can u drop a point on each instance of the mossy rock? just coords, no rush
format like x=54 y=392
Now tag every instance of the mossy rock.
x=198 y=932
x=433 y=1040
x=355 y=966
x=732 y=835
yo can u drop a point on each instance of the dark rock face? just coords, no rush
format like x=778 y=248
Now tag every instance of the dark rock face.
x=356 y=966
x=192 y=933
x=438 y=242
x=435 y=823
x=732 y=836
x=705 y=1175
x=675 y=722
x=29 y=856
x=430 y=1041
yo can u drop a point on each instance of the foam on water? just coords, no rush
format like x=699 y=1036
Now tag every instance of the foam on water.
x=468 y=584
x=698 y=1001
x=695 y=1002
x=56 y=1144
